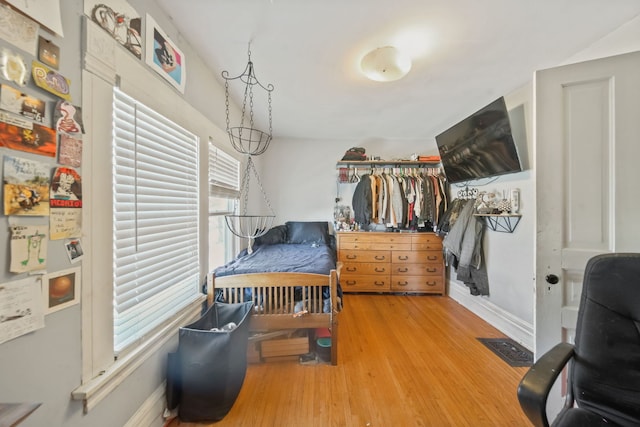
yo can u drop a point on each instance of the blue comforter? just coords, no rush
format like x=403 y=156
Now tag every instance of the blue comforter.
x=285 y=257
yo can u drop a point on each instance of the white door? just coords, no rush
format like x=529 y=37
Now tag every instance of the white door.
x=587 y=181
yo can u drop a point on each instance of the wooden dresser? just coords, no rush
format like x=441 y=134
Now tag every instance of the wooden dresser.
x=391 y=262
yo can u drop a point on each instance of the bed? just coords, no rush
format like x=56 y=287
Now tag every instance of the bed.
x=290 y=275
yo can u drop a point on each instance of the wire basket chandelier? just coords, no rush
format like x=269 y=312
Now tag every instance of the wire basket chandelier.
x=249 y=140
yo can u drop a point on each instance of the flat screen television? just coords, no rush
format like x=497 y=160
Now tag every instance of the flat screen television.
x=480 y=146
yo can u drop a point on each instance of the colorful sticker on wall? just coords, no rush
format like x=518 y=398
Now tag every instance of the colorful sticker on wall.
x=65 y=217
x=26 y=187
x=51 y=81
x=70 y=151
x=28 y=248
x=68 y=119
x=119 y=20
x=48 y=53
x=18 y=30
x=13 y=67
x=164 y=56
x=20 y=103
x=38 y=140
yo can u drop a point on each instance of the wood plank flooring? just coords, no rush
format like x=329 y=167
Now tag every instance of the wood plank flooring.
x=403 y=361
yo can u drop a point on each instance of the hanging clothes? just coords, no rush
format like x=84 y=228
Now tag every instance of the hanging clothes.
x=400 y=200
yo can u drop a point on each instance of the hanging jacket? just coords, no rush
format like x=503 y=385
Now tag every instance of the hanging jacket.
x=361 y=201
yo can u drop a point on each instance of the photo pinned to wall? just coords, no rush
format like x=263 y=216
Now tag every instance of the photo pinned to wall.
x=48 y=53
x=18 y=102
x=65 y=217
x=26 y=187
x=46 y=12
x=21 y=309
x=37 y=140
x=18 y=30
x=28 y=248
x=61 y=289
x=119 y=20
x=74 y=250
x=13 y=67
x=50 y=80
x=164 y=56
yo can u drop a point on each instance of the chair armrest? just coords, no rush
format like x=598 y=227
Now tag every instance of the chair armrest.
x=534 y=387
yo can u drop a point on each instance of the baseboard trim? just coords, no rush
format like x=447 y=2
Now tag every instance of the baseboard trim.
x=151 y=410
x=512 y=326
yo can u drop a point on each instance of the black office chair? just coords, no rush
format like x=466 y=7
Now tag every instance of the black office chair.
x=603 y=377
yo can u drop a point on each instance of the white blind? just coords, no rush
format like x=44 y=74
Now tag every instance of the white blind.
x=224 y=174
x=155 y=237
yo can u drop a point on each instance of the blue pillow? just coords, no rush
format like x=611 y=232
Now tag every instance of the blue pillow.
x=309 y=232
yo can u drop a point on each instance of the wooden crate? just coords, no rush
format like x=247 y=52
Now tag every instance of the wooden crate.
x=293 y=345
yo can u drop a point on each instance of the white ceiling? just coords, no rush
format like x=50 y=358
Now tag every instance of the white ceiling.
x=466 y=54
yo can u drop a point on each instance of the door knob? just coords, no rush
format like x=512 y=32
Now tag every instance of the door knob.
x=552 y=279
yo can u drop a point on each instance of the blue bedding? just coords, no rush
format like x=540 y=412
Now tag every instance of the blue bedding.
x=283 y=257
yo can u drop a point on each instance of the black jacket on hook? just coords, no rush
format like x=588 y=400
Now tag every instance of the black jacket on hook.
x=361 y=201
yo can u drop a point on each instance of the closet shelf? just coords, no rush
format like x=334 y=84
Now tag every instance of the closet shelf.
x=501 y=222
x=384 y=163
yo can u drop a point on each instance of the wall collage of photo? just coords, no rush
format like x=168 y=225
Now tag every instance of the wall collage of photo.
x=41 y=139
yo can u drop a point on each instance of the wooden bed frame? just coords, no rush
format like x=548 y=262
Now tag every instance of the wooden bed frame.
x=275 y=307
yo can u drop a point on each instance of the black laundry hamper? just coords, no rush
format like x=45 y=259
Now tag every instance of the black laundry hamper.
x=205 y=374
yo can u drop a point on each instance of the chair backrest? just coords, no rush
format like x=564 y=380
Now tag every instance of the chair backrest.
x=605 y=374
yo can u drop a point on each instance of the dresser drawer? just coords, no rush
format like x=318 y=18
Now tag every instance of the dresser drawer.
x=417 y=269
x=425 y=284
x=365 y=283
x=416 y=257
x=365 y=268
x=350 y=255
x=426 y=242
x=373 y=246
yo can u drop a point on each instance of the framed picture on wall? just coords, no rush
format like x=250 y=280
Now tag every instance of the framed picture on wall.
x=61 y=289
x=164 y=56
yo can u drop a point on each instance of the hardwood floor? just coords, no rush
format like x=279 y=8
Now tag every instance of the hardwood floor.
x=403 y=361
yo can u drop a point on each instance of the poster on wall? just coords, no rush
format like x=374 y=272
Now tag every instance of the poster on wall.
x=119 y=20
x=21 y=309
x=18 y=30
x=28 y=248
x=37 y=140
x=26 y=187
x=61 y=289
x=13 y=67
x=164 y=56
x=50 y=80
x=65 y=217
x=46 y=12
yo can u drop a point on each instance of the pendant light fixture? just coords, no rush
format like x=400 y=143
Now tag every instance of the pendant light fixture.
x=247 y=139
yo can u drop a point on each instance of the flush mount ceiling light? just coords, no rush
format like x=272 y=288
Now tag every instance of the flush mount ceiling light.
x=385 y=64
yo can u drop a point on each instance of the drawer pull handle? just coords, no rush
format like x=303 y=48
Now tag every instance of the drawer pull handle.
x=352 y=256
x=403 y=270
x=431 y=283
x=431 y=270
x=378 y=283
x=351 y=282
x=432 y=257
x=379 y=257
x=352 y=269
x=379 y=270
x=403 y=257
x=403 y=283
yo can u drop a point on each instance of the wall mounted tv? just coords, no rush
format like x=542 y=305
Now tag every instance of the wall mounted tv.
x=480 y=146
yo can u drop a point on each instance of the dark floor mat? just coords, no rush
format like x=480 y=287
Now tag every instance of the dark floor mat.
x=509 y=351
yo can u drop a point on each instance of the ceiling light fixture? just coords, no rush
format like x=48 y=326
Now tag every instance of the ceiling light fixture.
x=385 y=64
